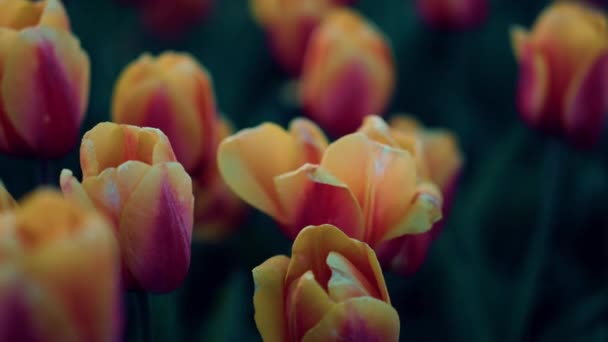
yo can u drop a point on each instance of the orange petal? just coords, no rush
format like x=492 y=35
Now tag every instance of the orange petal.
x=312 y=196
x=7 y=201
x=307 y=303
x=311 y=141
x=377 y=130
x=73 y=190
x=346 y=281
x=269 y=298
x=19 y=14
x=314 y=244
x=249 y=160
x=54 y=15
x=519 y=36
x=358 y=319
x=155 y=228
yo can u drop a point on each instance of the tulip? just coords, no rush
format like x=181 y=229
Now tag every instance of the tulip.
x=217 y=210
x=42 y=61
x=332 y=289
x=450 y=14
x=438 y=160
x=6 y=200
x=174 y=94
x=563 y=72
x=130 y=174
x=289 y=25
x=348 y=72
x=170 y=19
x=59 y=273
x=299 y=180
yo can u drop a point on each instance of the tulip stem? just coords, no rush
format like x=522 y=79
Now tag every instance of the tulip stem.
x=539 y=243
x=143 y=309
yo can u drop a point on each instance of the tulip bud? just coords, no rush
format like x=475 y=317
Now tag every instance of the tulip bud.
x=6 y=200
x=42 y=61
x=563 y=72
x=439 y=161
x=348 y=72
x=59 y=273
x=130 y=174
x=289 y=25
x=170 y=19
x=299 y=180
x=332 y=289
x=174 y=94
x=450 y=14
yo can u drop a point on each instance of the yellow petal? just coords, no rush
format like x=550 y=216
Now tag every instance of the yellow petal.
x=73 y=190
x=311 y=141
x=269 y=298
x=519 y=35
x=358 y=319
x=249 y=160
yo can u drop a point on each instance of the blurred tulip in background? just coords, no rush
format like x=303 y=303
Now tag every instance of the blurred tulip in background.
x=453 y=14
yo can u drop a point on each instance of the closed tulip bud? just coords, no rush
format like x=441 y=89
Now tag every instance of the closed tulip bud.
x=131 y=175
x=174 y=94
x=59 y=273
x=6 y=200
x=332 y=289
x=42 y=61
x=439 y=161
x=299 y=180
x=563 y=72
x=289 y=25
x=170 y=19
x=217 y=210
x=450 y=14
x=348 y=72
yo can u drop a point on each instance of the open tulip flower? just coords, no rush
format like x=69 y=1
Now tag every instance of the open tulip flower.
x=450 y=14
x=332 y=289
x=289 y=25
x=59 y=273
x=438 y=160
x=131 y=175
x=41 y=61
x=563 y=72
x=348 y=72
x=299 y=180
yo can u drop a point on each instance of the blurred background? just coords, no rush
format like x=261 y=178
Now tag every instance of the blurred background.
x=489 y=277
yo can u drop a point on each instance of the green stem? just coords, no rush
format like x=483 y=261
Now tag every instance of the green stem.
x=143 y=309
x=539 y=243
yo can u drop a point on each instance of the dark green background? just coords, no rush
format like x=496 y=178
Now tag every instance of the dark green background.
x=524 y=255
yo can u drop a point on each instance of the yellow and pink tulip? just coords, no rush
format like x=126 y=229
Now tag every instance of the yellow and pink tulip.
x=348 y=72
x=132 y=176
x=563 y=72
x=59 y=273
x=331 y=289
x=42 y=61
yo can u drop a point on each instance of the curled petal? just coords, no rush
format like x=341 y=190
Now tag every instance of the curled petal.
x=346 y=281
x=358 y=319
x=269 y=298
x=312 y=196
x=311 y=141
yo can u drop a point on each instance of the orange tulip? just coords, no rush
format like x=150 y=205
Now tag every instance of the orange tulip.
x=217 y=210
x=450 y=14
x=348 y=72
x=439 y=161
x=299 y=181
x=332 y=289
x=563 y=69
x=6 y=200
x=130 y=174
x=174 y=94
x=40 y=60
x=59 y=273
x=289 y=25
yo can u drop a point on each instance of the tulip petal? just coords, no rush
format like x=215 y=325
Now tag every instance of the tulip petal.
x=377 y=130
x=404 y=255
x=519 y=38
x=307 y=303
x=156 y=228
x=380 y=170
x=533 y=84
x=586 y=103
x=49 y=68
x=249 y=160
x=311 y=141
x=358 y=319
x=73 y=190
x=54 y=15
x=346 y=281
x=311 y=196
x=7 y=201
x=312 y=247
x=269 y=298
